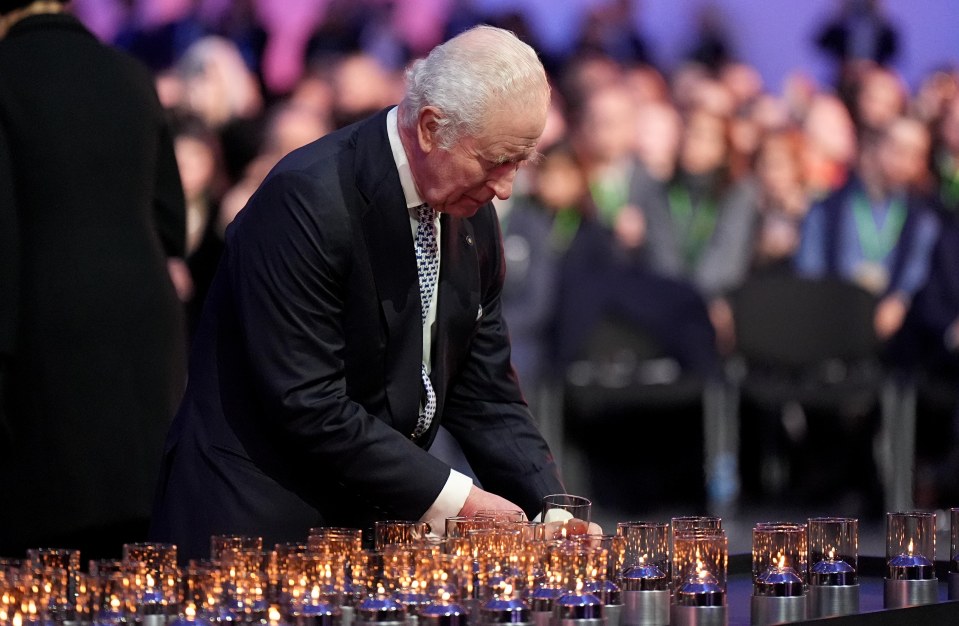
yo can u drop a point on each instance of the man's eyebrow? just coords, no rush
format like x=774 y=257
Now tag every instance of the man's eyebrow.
x=530 y=157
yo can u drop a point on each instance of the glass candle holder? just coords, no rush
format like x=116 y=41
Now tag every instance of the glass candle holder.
x=501 y=515
x=315 y=586
x=200 y=590
x=458 y=526
x=646 y=559
x=112 y=594
x=833 y=551
x=910 y=560
x=565 y=515
x=910 y=545
x=398 y=532
x=244 y=583
x=779 y=559
x=700 y=566
x=223 y=543
x=155 y=576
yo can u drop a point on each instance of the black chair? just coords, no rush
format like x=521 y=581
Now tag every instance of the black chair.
x=806 y=348
x=630 y=375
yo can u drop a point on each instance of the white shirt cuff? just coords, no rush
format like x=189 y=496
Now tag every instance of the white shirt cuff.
x=449 y=503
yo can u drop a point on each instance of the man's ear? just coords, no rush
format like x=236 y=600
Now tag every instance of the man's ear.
x=427 y=125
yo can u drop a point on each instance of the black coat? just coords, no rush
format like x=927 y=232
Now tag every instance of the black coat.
x=91 y=332
x=304 y=374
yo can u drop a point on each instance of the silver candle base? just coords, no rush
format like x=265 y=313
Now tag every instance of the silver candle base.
x=833 y=600
x=698 y=615
x=898 y=594
x=541 y=618
x=346 y=615
x=777 y=609
x=613 y=614
x=646 y=608
x=153 y=619
x=953 y=586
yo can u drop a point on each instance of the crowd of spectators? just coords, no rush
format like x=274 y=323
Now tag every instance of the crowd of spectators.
x=654 y=184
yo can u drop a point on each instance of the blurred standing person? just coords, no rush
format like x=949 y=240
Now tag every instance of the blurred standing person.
x=859 y=33
x=91 y=333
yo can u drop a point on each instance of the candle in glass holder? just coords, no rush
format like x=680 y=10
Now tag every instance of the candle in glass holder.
x=833 y=551
x=645 y=573
x=700 y=562
x=779 y=570
x=910 y=554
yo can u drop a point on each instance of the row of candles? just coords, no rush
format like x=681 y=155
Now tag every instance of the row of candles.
x=493 y=568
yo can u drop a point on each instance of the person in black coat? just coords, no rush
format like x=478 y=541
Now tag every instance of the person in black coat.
x=91 y=332
x=307 y=403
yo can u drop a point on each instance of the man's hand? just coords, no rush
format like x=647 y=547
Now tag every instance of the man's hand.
x=479 y=500
x=890 y=313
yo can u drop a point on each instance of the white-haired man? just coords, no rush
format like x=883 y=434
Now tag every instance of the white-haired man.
x=327 y=358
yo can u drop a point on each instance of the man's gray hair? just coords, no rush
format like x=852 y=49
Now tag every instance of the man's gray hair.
x=470 y=77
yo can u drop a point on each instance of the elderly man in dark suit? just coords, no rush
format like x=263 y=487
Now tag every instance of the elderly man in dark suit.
x=326 y=359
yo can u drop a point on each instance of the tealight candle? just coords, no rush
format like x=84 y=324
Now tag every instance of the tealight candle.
x=910 y=551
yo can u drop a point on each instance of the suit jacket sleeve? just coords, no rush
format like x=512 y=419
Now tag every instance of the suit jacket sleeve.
x=485 y=410
x=290 y=255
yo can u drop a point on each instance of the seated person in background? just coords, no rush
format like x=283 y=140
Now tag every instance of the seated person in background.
x=877 y=231
x=540 y=229
x=700 y=224
x=783 y=200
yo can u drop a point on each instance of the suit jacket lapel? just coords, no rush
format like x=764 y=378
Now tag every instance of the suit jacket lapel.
x=386 y=225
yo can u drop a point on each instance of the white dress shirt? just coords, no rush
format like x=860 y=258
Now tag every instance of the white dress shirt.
x=457 y=488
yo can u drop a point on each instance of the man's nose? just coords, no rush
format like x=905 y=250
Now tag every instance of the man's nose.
x=502 y=183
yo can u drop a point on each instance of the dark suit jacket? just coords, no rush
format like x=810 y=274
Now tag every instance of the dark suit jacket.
x=304 y=377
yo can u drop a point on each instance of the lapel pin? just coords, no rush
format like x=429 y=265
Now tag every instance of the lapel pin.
x=469 y=239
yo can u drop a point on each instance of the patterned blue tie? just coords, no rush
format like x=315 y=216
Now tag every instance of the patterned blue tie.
x=427 y=267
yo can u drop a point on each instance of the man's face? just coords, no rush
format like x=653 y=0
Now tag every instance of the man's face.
x=903 y=153
x=460 y=180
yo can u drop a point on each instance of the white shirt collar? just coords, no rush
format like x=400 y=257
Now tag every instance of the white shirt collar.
x=413 y=198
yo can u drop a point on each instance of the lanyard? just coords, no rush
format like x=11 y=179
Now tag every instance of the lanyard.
x=949 y=187
x=695 y=222
x=877 y=242
x=610 y=197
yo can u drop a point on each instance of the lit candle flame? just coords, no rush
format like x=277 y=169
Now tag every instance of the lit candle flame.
x=508 y=590
x=274 y=615
x=782 y=561
x=315 y=592
x=832 y=554
x=17 y=619
x=190 y=611
x=150 y=582
x=910 y=548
